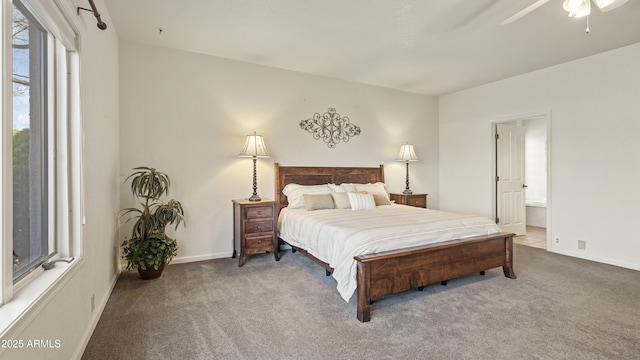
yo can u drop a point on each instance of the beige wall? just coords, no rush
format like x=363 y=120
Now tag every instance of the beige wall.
x=188 y=114
x=594 y=107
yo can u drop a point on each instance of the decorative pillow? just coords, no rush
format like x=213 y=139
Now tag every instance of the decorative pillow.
x=341 y=200
x=295 y=192
x=318 y=202
x=381 y=199
x=361 y=201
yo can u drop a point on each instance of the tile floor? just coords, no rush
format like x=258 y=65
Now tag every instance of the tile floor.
x=535 y=237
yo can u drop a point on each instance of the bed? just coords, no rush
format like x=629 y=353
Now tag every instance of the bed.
x=391 y=271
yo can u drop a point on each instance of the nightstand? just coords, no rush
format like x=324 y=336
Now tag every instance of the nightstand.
x=254 y=228
x=417 y=200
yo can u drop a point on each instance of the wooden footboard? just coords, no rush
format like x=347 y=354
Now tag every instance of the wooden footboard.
x=395 y=271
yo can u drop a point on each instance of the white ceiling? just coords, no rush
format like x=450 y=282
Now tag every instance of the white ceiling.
x=431 y=47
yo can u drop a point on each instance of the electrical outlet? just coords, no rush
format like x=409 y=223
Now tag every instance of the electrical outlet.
x=582 y=244
x=557 y=240
x=93 y=302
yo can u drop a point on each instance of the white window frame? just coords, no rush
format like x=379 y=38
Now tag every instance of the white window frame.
x=24 y=298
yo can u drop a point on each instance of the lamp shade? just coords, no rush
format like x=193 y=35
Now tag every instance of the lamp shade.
x=254 y=147
x=407 y=153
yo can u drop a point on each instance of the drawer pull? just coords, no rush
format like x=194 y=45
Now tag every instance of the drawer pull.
x=259 y=212
x=259 y=241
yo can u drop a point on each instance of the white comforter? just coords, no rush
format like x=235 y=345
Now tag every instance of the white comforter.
x=335 y=236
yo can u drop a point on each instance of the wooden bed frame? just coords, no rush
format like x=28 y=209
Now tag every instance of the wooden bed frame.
x=395 y=271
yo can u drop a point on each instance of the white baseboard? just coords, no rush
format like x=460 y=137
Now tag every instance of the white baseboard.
x=600 y=259
x=188 y=259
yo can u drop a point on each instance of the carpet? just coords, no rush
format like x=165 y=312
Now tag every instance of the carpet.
x=558 y=308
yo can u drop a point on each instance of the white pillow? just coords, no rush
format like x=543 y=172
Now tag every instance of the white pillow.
x=295 y=192
x=287 y=189
x=361 y=201
x=348 y=187
x=336 y=188
x=377 y=188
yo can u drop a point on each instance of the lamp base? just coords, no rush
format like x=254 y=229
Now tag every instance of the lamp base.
x=407 y=192
x=255 y=196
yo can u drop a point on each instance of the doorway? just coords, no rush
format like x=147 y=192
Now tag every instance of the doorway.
x=521 y=178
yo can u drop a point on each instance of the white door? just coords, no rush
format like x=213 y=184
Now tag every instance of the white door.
x=510 y=202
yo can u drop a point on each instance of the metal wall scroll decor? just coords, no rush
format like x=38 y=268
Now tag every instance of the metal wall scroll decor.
x=330 y=127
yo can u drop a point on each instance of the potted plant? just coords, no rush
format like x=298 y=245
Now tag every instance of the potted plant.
x=149 y=249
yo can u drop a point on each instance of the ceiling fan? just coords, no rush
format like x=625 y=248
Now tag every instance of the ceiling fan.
x=576 y=8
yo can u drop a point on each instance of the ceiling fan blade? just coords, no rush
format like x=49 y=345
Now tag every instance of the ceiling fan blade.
x=524 y=12
x=609 y=5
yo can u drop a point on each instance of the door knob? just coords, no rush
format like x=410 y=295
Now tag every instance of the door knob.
x=524 y=185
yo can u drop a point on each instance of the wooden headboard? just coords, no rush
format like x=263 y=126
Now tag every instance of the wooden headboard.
x=318 y=175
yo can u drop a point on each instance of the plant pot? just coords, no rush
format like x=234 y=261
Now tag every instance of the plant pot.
x=151 y=273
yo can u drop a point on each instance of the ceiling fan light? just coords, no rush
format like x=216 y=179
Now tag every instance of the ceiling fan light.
x=577 y=8
x=572 y=5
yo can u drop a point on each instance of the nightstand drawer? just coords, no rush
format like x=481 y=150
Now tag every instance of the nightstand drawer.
x=258 y=226
x=259 y=212
x=417 y=201
x=259 y=243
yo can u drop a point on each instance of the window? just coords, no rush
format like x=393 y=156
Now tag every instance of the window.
x=30 y=143
x=41 y=148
